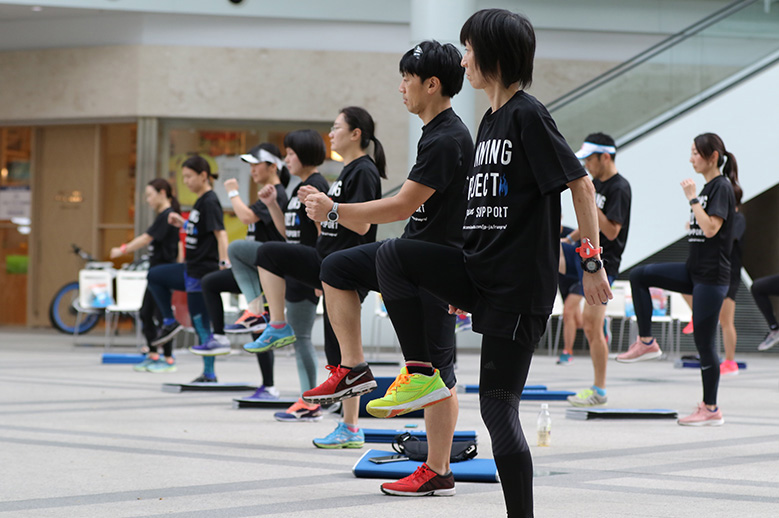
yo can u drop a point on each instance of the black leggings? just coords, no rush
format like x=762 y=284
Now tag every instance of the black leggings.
x=706 y=304
x=301 y=263
x=150 y=317
x=762 y=288
x=405 y=267
x=214 y=284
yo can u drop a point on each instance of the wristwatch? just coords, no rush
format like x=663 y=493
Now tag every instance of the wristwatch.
x=587 y=252
x=693 y=201
x=332 y=216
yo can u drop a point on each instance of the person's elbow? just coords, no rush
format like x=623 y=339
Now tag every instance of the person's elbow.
x=582 y=187
x=362 y=229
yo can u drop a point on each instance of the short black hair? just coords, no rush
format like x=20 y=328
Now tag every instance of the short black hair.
x=432 y=59
x=199 y=164
x=307 y=145
x=603 y=140
x=503 y=44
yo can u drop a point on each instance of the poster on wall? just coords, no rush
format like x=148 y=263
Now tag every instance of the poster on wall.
x=231 y=166
x=15 y=202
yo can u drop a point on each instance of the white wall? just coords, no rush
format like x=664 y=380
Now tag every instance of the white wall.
x=745 y=117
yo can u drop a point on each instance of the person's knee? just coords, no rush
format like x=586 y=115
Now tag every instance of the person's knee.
x=500 y=412
x=636 y=274
x=593 y=327
x=336 y=271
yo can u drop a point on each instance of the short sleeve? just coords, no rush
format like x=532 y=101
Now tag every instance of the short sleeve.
x=718 y=202
x=618 y=205
x=159 y=228
x=214 y=219
x=436 y=161
x=362 y=185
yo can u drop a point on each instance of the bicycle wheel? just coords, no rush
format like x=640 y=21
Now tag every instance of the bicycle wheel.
x=62 y=312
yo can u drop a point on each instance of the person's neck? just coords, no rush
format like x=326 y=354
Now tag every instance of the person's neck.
x=609 y=174
x=203 y=190
x=711 y=174
x=306 y=172
x=499 y=94
x=352 y=154
x=434 y=108
x=165 y=205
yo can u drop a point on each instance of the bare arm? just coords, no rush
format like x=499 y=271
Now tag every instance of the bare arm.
x=386 y=210
x=709 y=224
x=268 y=196
x=221 y=242
x=596 y=285
x=244 y=213
x=136 y=244
x=609 y=228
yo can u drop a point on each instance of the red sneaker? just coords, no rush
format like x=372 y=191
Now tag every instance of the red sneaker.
x=688 y=329
x=423 y=482
x=342 y=384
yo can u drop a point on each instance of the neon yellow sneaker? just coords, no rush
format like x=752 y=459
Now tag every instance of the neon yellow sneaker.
x=409 y=392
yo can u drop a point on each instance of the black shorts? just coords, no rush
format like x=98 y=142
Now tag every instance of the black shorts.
x=354 y=269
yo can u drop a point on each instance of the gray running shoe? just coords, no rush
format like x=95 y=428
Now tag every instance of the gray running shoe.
x=771 y=339
x=587 y=397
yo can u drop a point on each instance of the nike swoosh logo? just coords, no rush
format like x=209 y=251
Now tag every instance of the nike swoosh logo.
x=706 y=367
x=351 y=381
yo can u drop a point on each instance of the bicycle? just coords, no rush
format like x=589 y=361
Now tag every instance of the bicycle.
x=65 y=306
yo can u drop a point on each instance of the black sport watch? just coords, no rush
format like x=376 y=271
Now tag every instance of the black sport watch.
x=591 y=265
x=332 y=216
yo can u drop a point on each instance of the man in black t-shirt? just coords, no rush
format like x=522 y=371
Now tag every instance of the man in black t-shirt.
x=612 y=197
x=432 y=199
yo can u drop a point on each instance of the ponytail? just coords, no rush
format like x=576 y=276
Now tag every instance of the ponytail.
x=731 y=173
x=359 y=118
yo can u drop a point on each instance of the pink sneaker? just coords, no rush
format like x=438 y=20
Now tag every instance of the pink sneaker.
x=688 y=329
x=639 y=352
x=703 y=417
x=728 y=368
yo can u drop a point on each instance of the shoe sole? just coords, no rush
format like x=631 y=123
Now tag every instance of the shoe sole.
x=259 y=328
x=712 y=422
x=766 y=347
x=282 y=342
x=167 y=338
x=217 y=352
x=357 y=390
x=642 y=358
x=299 y=419
x=417 y=404
x=434 y=492
x=338 y=446
x=161 y=371
x=586 y=404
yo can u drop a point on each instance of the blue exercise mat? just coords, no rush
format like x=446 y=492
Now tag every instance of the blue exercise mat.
x=546 y=395
x=620 y=413
x=378 y=435
x=123 y=358
x=696 y=364
x=473 y=470
x=207 y=387
x=474 y=389
x=382 y=384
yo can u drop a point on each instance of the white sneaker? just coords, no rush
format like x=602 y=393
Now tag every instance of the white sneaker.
x=771 y=339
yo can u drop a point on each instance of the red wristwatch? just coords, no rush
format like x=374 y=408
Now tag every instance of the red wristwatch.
x=588 y=252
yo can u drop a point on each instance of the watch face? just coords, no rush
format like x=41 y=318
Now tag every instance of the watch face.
x=332 y=216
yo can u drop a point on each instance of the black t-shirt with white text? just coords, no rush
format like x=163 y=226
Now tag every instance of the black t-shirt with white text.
x=359 y=181
x=299 y=227
x=512 y=222
x=205 y=218
x=444 y=158
x=613 y=198
x=264 y=229
x=164 y=248
x=709 y=259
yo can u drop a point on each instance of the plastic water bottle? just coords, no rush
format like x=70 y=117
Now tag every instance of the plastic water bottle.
x=544 y=426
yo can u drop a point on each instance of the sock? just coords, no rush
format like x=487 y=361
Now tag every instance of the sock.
x=171 y=360
x=278 y=325
x=168 y=321
x=712 y=411
x=599 y=391
x=154 y=356
x=647 y=343
x=569 y=353
x=357 y=368
x=353 y=429
x=208 y=366
x=774 y=327
x=418 y=368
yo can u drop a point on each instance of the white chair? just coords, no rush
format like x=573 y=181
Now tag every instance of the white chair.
x=379 y=315
x=130 y=289
x=666 y=331
x=95 y=287
x=557 y=313
x=681 y=314
x=616 y=307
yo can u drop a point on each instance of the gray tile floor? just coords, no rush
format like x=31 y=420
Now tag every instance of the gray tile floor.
x=82 y=439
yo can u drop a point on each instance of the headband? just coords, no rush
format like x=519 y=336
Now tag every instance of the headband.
x=264 y=156
x=588 y=148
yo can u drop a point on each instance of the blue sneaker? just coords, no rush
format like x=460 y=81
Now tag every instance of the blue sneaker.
x=565 y=359
x=342 y=437
x=265 y=394
x=214 y=346
x=144 y=365
x=162 y=365
x=271 y=338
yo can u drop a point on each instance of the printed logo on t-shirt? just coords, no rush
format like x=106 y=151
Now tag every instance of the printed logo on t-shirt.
x=191 y=230
x=600 y=200
x=335 y=189
x=695 y=234
x=330 y=228
x=419 y=215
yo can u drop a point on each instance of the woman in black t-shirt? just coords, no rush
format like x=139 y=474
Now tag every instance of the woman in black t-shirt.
x=206 y=251
x=162 y=240
x=350 y=136
x=705 y=275
x=267 y=170
x=505 y=274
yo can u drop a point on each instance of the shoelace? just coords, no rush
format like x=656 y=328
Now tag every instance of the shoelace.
x=403 y=379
